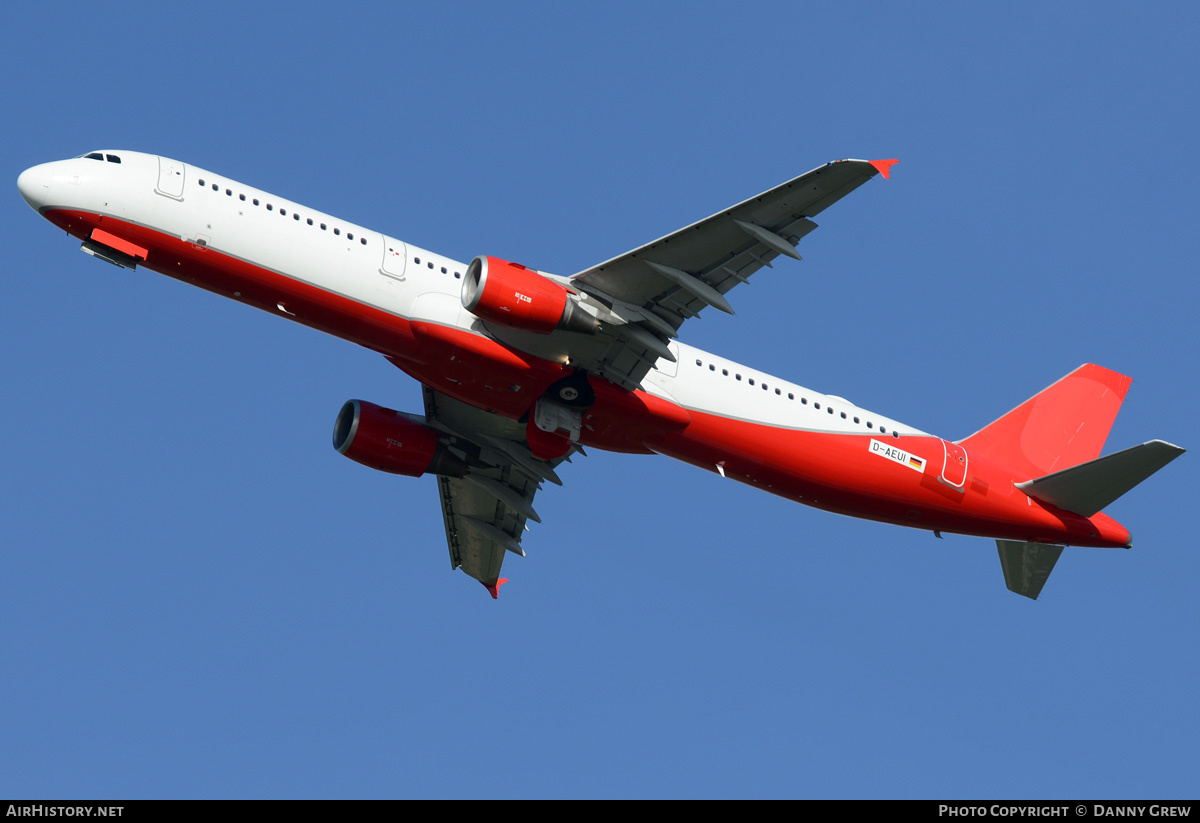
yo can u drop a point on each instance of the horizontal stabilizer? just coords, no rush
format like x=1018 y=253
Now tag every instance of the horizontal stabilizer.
x=1089 y=487
x=1027 y=565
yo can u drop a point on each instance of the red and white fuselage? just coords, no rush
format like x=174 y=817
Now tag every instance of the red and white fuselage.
x=406 y=303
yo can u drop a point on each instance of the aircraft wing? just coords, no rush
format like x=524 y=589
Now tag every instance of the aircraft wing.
x=486 y=510
x=652 y=289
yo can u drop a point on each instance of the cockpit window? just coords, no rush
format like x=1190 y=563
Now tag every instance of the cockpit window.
x=95 y=156
x=112 y=158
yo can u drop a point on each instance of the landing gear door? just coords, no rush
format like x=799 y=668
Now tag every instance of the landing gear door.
x=954 y=469
x=170 y=178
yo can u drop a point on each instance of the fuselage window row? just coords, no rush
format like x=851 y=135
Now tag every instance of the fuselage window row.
x=457 y=275
x=112 y=158
x=779 y=392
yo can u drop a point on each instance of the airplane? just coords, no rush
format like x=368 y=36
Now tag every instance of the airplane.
x=522 y=369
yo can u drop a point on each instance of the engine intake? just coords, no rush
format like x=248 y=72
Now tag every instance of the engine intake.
x=388 y=441
x=512 y=295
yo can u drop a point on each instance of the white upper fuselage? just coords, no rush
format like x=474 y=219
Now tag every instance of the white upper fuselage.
x=376 y=270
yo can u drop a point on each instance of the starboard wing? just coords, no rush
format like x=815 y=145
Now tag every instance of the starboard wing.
x=654 y=288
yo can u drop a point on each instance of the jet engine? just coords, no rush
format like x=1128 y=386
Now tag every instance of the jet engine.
x=388 y=441
x=512 y=295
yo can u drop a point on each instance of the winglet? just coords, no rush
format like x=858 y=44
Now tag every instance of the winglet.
x=494 y=587
x=884 y=167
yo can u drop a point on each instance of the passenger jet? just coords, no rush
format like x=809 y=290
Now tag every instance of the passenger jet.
x=521 y=368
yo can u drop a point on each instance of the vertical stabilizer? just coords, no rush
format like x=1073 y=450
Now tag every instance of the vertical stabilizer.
x=1059 y=427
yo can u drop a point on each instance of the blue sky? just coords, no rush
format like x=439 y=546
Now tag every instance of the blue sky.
x=202 y=599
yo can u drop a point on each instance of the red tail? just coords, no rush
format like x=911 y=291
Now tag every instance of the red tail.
x=1061 y=426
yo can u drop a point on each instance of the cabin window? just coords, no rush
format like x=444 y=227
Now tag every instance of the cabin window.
x=738 y=376
x=711 y=367
x=856 y=420
x=322 y=227
x=201 y=182
x=791 y=396
x=337 y=231
x=843 y=415
x=310 y=222
x=882 y=430
x=283 y=212
x=829 y=409
x=256 y=201
x=215 y=187
x=443 y=269
x=270 y=207
x=751 y=381
x=870 y=425
x=242 y=197
x=725 y=372
x=229 y=192
x=817 y=406
x=457 y=275
x=363 y=240
x=698 y=363
x=777 y=391
x=350 y=236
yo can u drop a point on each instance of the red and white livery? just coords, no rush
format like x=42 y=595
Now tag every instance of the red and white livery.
x=522 y=368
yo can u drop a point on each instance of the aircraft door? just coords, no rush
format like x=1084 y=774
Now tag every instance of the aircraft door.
x=954 y=469
x=170 y=178
x=669 y=367
x=395 y=256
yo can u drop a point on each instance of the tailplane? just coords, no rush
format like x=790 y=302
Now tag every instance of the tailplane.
x=1089 y=487
x=1061 y=426
x=1027 y=565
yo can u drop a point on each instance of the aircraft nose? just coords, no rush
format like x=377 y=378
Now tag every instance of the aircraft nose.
x=34 y=184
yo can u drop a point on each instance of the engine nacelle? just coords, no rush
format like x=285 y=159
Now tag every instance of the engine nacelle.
x=510 y=294
x=388 y=441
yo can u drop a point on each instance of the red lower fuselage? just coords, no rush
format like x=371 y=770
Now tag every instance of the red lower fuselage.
x=914 y=480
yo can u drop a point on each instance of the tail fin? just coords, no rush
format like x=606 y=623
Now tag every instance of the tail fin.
x=1061 y=426
x=1089 y=487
